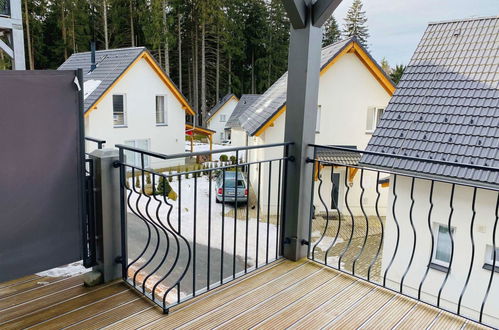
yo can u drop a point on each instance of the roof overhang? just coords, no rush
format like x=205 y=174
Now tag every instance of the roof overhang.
x=225 y=103
x=198 y=130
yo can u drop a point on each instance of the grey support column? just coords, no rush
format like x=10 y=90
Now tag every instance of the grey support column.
x=301 y=115
x=107 y=183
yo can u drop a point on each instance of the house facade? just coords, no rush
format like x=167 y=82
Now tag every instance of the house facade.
x=219 y=116
x=130 y=100
x=353 y=92
x=441 y=237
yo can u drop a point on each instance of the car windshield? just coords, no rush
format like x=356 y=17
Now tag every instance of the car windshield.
x=230 y=183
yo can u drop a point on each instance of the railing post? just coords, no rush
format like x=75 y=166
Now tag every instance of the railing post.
x=301 y=113
x=108 y=217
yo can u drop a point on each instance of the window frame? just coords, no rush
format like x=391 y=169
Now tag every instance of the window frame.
x=125 y=116
x=373 y=111
x=165 y=111
x=437 y=234
x=489 y=255
x=135 y=157
x=224 y=117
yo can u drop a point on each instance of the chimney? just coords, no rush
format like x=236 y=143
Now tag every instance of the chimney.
x=92 y=56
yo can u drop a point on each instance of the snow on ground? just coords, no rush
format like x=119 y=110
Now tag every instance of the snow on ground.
x=198 y=146
x=199 y=216
x=76 y=268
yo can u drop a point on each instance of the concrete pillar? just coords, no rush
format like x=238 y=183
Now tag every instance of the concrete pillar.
x=108 y=215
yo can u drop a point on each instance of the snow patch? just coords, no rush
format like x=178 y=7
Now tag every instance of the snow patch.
x=76 y=268
x=89 y=87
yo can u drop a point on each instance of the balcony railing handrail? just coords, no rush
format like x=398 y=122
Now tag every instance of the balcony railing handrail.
x=435 y=161
x=100 y=142
x=199 y=153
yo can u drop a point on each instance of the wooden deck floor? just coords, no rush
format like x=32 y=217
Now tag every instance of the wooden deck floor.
x=298 y=295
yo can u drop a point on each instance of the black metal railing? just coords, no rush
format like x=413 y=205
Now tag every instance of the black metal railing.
x=89 y=228
x=189 y=229
x=5 y=7
x=429 y=238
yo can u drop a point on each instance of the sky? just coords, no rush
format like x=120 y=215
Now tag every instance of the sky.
x=396 y=26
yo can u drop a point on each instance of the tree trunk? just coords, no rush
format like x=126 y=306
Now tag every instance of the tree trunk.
x=28 y=37
x=73 y=32
x=132 y=28
x=63 y=30
x=159 y=55
x=203 y=73
x=269 y=77
x=217 y=87
x=196 y=72
x=230 y=74
x=104 y=14
x=253 y=88
x=179 y=53
x=167 y=47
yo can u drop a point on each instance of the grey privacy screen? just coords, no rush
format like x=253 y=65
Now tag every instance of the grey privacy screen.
x=41 y=172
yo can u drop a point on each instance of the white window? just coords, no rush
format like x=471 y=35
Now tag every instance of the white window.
x=161 y=113
x=222 y=136
x=318 y=122
x=489 y=258
x=443 y=247
x=119 y=110
x=135 y=158
x=223 y=119
x=373 y=117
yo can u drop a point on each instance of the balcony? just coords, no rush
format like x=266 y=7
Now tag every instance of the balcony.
x=303 y=295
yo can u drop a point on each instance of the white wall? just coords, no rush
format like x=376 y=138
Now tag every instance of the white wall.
x=238 y=137
x=140 y=86
x=219 y=126
x=346 y=92
x=461 y=222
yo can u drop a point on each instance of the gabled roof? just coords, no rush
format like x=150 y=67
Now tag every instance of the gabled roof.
x=343 y=157
x=446 y=107
x=112 y=65
x=220 y=105
x=240 y=111
x=273 y=102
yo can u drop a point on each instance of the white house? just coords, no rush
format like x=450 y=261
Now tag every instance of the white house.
x=444 y=116
x=219 y=115
x=130 y=100
x=353 y=93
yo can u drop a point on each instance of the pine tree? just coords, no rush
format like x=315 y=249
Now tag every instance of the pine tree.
x=332 y=32
x=397 y=73
x=355 y=23
x=386 y=66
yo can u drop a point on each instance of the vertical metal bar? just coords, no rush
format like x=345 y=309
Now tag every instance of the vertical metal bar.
x=315 y=167
x=430 y=211
x=335 y=202
x=279 y=192
x=411 y=220
x=367 y=220
x=268 y=214
x=494 y=257
x=472 y=237
x=398 y=229
x=452 y=244
x=282 y=234
x=347 y=169
x=247 y=222
x=378 y=251
x=234 y=239
x=179 y=226
x=223 y=228
x=123 y=215
x=210 y=171
x=194 y=235
x=258 y=212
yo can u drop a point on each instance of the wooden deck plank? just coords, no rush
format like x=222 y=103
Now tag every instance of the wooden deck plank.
x=74 y=316
x=267 y=299
x=291 y=314
x=419 y=318
x=26 y=286
x=390 y=314
x=40 y=292
x=64 y=307
x=363 y=311
x=19 y=281
x=333 y=307
x=448 y=321
x=205 y=303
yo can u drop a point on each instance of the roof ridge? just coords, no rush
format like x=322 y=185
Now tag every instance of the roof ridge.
x=456 y=20
x=111 y=50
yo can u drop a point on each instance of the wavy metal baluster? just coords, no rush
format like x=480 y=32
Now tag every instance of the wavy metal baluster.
x=194 y=234
x=376 y=206
x=247 y=225
x=335 y=202
x=279 y=192
x=236 y=206
x=452 y=244
x=472 y=236
x=319 y=177
x=351 y=216
x=209 y=230
x=411 y=220
x=268 y=214
x=398 y=229
x=365 y=216
x=430 y=211
x=258 y=214
x=493 y=270
x=223 y=229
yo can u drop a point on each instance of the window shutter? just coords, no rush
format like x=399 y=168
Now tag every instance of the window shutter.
x=370 y=119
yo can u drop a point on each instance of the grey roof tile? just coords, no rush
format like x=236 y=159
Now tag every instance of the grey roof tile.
x=239 y=111
x=446 y=106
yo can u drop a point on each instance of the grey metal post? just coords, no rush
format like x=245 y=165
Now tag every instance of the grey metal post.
x=307 y=17
x=108 y=217
x=12 y=26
